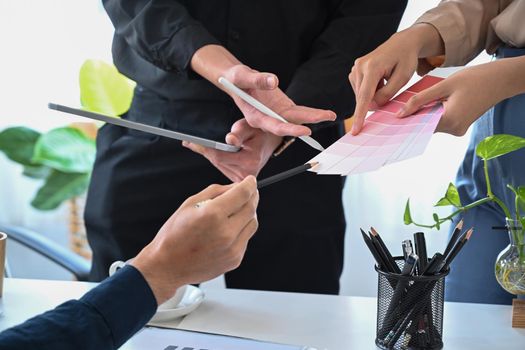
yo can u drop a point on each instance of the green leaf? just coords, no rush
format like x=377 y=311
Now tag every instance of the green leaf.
x=59 y=187
x=18 y=143
x=407 y=217
x=451 y=197
x=65 y=149
x=498 y=145
x=36 y=171
x=436 y=219
x=521 y=195
x=103 y=89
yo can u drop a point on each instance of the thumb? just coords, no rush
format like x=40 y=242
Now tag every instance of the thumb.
x=246 y=78
x=240 y=132
x=433 y=93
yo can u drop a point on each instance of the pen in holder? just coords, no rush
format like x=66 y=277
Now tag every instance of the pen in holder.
x=410 y=310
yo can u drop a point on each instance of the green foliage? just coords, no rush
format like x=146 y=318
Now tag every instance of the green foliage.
x=58 y=187
x=66 y=149
x=36 y=171
x=499 y=145
x=489 y=148
x=436 y=220
x=17 y=143
x=103 y=89
x=451 y=197
x=62 y=157
x=520 y=192
x=407 y=217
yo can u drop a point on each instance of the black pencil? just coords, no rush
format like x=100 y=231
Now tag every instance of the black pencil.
x=421 y=250
x=464 y=239
x=453 y=238
x=285 y=174
x=390 y=260
x=380 y=263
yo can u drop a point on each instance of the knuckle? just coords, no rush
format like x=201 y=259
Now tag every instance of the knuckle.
x=415 y=99
x=213 y=187
x=235 y=75
x=255 y=225
x=236 y=257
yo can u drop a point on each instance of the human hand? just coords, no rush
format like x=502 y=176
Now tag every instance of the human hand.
x=256 y=145
x=469 y=93
x=198 y=243
x=395 y=61
x=264 y=88
x=214 y=61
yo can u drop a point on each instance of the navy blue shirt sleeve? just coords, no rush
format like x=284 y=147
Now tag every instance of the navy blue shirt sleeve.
x=104 y=318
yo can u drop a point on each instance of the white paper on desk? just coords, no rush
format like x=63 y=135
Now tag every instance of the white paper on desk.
x=151 y=338
x=385 y=138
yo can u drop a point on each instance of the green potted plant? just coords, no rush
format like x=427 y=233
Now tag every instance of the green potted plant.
x=63 y=157
x=510 y=264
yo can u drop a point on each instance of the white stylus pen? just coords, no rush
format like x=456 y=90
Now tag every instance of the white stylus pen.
x=263 y=109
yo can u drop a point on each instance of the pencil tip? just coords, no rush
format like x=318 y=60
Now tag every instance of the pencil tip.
x=460 y=225
x=469 y=233
x=374 y=232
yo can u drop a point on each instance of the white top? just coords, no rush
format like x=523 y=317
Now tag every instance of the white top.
x=321 y=321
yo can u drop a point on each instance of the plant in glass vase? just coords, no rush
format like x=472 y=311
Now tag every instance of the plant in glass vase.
x=510 y=263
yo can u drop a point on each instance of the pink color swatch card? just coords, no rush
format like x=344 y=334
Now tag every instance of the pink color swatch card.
x=385 y=138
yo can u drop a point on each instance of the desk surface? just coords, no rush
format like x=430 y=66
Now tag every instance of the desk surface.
x=325 y=322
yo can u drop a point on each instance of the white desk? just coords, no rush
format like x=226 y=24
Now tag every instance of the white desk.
x=331 y=322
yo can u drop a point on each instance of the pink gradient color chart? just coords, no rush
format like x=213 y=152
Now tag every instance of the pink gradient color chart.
x=385 y=138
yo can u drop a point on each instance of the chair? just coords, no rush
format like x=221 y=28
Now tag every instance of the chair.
x=38 y=243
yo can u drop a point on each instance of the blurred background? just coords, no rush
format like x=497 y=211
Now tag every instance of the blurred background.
x=44 y=44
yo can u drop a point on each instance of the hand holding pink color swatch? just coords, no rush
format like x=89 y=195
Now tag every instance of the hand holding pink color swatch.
x=385 y=138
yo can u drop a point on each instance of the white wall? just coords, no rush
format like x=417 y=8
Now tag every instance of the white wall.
x=43 y=45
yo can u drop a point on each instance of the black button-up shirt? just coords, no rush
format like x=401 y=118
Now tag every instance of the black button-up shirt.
x=309 y=44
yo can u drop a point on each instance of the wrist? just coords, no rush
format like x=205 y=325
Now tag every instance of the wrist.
x=423 y=39
x=162 y=285
x=212 y=62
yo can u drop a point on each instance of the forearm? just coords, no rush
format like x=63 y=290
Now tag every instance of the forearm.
x=104 y=318
x=510 y=72
x=212 y=61
x=424 y=39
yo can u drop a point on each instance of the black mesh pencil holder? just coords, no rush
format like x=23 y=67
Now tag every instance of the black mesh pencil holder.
x=410 y=310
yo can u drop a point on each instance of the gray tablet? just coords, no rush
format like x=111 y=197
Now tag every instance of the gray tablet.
x=146 y=128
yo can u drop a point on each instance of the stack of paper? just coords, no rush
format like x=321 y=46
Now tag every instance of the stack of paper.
x=385 y=138
x=151 y=338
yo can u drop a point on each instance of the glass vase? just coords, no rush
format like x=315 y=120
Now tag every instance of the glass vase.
x=510 y=264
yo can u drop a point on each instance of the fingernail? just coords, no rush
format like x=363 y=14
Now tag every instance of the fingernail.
x=270 y=81
x=401 y=113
